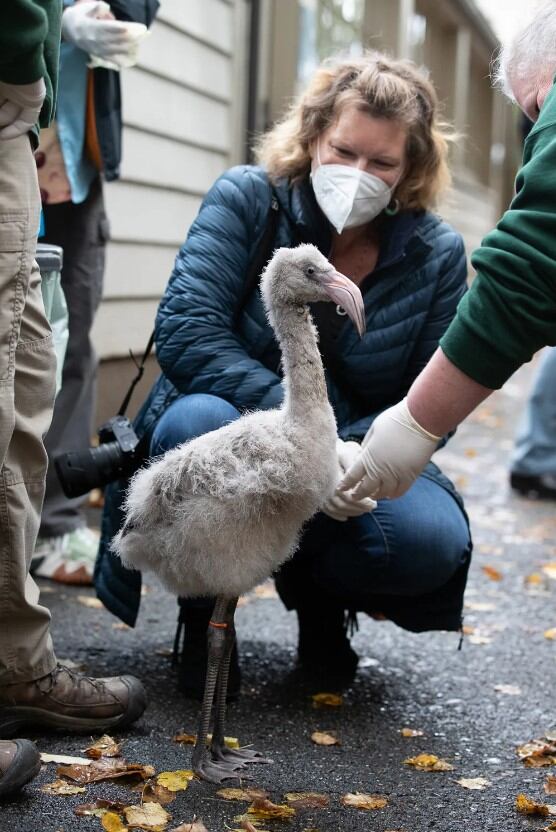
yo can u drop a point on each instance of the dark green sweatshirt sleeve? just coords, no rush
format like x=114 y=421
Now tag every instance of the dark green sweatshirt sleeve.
x=510 y=311
x=30 y=45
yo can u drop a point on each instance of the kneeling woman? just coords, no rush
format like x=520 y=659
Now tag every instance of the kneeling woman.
x=355 y=169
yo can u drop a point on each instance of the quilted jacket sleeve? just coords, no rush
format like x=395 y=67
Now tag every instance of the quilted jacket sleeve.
x=198 y=348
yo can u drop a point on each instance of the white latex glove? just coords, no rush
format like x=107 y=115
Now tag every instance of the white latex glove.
x=341 y=505
x=393 y=454
x=20 y=105
x=90 y=26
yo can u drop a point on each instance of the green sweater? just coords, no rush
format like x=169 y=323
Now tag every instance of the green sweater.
x=510 y=311
x=30 y=46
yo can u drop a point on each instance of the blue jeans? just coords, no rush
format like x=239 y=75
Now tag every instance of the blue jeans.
x=407 y=547
x=535 y=448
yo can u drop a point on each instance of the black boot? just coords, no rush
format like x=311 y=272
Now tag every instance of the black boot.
x=324 y=651
x=191 y=656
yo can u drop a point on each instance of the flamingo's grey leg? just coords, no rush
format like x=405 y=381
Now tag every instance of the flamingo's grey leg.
x=219 y=751
x=208 y=769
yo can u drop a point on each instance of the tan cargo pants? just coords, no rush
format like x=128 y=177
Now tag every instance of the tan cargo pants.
x=27 y=379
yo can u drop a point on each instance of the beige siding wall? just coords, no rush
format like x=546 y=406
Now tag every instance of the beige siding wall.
x=180 y=107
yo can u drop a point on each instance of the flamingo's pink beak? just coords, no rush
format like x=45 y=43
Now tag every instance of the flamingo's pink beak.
x=346 y=294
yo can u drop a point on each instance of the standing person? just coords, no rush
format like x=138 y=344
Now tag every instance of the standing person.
x=510 y=310
x=353 y=169
x=34 y=689
x=83 y=145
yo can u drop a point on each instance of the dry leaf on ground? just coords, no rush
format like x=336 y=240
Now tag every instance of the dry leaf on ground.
x=89 y=601
x=324 y=738
x=327 y=700
x=551 y=828
x=194 y=826
x=99 y=808
x=62 y=787
x=492 y=573
x=537 y=753
x=175 y=781
x=64 y=758
x=550 y=570
x=104 y=747
x=242 y=794
x=104 y=769
x=358 y=800
x=474 y=783
x=428 y=762
x=526 y=806
x=480 y=606
x=550 y=785
x=262 y=809
x=111 y=822
x=550 y=634
x=509 y=690
x=191 y=739
x=478 y=638
x=150 y=816
x=307 y=800
x=411 y=732
x=154 y=793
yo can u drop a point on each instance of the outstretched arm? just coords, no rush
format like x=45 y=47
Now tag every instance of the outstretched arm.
x=403 y=438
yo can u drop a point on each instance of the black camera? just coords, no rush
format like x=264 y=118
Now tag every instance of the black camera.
x=116 y=456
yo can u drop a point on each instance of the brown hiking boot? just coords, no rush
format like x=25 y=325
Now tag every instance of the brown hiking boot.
x=66 y=701
x=19 y=762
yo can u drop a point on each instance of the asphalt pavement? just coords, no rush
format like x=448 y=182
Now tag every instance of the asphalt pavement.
x=421 y=682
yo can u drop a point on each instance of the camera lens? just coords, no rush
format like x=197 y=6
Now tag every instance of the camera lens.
x=81 y=471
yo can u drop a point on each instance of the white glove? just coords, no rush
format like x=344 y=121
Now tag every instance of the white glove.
x=20 y=105
x=393 y=454
x=341 y=506
x=90 y=26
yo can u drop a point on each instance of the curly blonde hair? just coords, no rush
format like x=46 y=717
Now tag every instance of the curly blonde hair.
x=382 y=87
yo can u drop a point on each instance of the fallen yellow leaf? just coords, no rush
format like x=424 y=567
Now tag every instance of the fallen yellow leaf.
x=411 y=732
x=550 y=570
x=89 y=601
x=242 y=794
x=324 y=738
x=62 y=787
x=492 y=573
x=155 y=793
x=537 y=753
x=428 y=762
x=111 y=822
x=474 y=783
x=480 y=606
x=526 y=806
x=550 y=634
x=191 y=739
x=262 y=809
x=327 y=700
x=194 y=826
x=150 y=816
x=534 y=579
x=104 y=747
x=175 y=781
x=477 y=638
x=307 y=800
x=358 y=800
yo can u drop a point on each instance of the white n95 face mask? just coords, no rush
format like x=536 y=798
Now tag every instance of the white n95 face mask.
x=349 y=196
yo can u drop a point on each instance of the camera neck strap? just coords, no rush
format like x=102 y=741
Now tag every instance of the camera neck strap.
x=259 y=261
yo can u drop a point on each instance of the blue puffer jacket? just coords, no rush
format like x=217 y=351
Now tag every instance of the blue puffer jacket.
x=410 y=298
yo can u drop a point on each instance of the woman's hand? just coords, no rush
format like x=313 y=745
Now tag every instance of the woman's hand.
x=342 y=505
x=393 y=454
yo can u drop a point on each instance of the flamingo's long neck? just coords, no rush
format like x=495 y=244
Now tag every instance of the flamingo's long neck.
x=305 y=386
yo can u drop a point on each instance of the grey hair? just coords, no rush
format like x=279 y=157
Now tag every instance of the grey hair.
x=531 y=53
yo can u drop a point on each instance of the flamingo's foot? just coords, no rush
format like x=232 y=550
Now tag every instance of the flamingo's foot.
x=219 y=770
x=239 y=756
